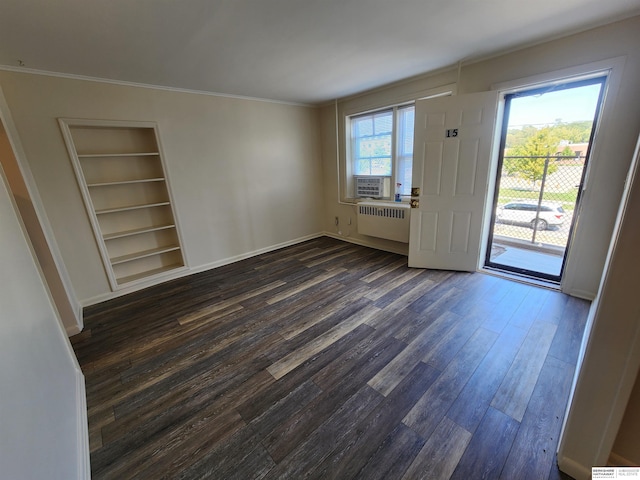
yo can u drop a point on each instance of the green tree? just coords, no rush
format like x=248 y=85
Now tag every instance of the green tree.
x=518 y=136
x=567 y=152
x=573 y=132
x=531 y=155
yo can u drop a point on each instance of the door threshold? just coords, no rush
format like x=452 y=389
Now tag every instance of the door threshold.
x=521 y=278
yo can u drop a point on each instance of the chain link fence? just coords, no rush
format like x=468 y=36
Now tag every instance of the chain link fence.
x=536 y=200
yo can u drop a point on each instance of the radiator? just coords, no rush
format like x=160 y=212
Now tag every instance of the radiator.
x=384 y=220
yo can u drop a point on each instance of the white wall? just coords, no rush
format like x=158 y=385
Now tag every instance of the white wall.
x=626 y=449
x=245 y=174
x=46 y=253
x=612 y=152
x=611 y=350
x=43 y=432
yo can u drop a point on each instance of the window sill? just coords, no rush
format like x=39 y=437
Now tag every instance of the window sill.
x=386 y=201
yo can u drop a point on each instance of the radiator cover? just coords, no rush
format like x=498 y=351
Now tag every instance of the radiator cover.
x=384 y=220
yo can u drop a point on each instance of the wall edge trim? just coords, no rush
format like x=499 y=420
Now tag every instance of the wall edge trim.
x=126 y=83
x=84 y=455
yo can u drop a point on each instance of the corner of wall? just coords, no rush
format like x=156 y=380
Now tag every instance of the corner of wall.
x=620 y=461
x=60 y=290
x=76 y=328
x=579 y=293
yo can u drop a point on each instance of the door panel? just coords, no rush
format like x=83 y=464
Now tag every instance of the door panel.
x=466 y=168
x=432 y=163
x=428 y=226
x=460 y=232
x=453 y=143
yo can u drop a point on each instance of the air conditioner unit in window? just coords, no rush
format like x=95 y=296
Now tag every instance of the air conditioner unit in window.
x=372 y=187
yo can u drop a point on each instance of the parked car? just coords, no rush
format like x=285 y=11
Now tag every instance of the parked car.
x=525 y=213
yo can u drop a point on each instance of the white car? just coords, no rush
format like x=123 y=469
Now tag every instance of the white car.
x=524 y=212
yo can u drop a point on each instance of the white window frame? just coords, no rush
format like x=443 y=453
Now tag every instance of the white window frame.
x=395 y=153
x=375 y=101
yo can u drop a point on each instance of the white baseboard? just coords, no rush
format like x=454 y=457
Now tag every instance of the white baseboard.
x=363 y=243
x=574 y=469
x=220 y=263
x=72 y=330
x=84 y=455
x=616 y=460
x=254 y=253
x=583 y=294
x=79 y=323
x=201 y=268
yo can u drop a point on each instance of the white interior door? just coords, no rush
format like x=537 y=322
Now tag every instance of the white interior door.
x=452 y=155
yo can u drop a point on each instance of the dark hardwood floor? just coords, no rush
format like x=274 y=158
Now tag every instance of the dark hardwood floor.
x=329 y=360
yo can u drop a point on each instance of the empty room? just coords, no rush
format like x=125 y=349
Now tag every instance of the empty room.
x=329 y=240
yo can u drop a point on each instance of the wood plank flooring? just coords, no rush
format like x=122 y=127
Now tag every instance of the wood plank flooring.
x=329 y=360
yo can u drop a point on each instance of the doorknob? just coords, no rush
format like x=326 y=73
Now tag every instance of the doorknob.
x=415 y=200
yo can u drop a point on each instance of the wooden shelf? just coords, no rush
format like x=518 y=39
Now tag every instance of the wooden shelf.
x=107 y=155
x=125 y=182
x=146 y=253
x=122 y=177
x=136 y=231
x=149 y=273
x=131 y=207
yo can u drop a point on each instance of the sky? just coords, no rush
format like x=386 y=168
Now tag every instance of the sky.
x=568 y=105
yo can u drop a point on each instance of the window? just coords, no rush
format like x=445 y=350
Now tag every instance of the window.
x=382 y=145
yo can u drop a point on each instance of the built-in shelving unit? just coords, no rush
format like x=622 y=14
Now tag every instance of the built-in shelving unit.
x=121 y=174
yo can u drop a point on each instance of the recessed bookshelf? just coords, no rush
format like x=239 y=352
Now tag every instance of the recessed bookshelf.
x=121 y=174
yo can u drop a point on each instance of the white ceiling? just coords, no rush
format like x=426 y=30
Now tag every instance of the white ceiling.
x=306 y=51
